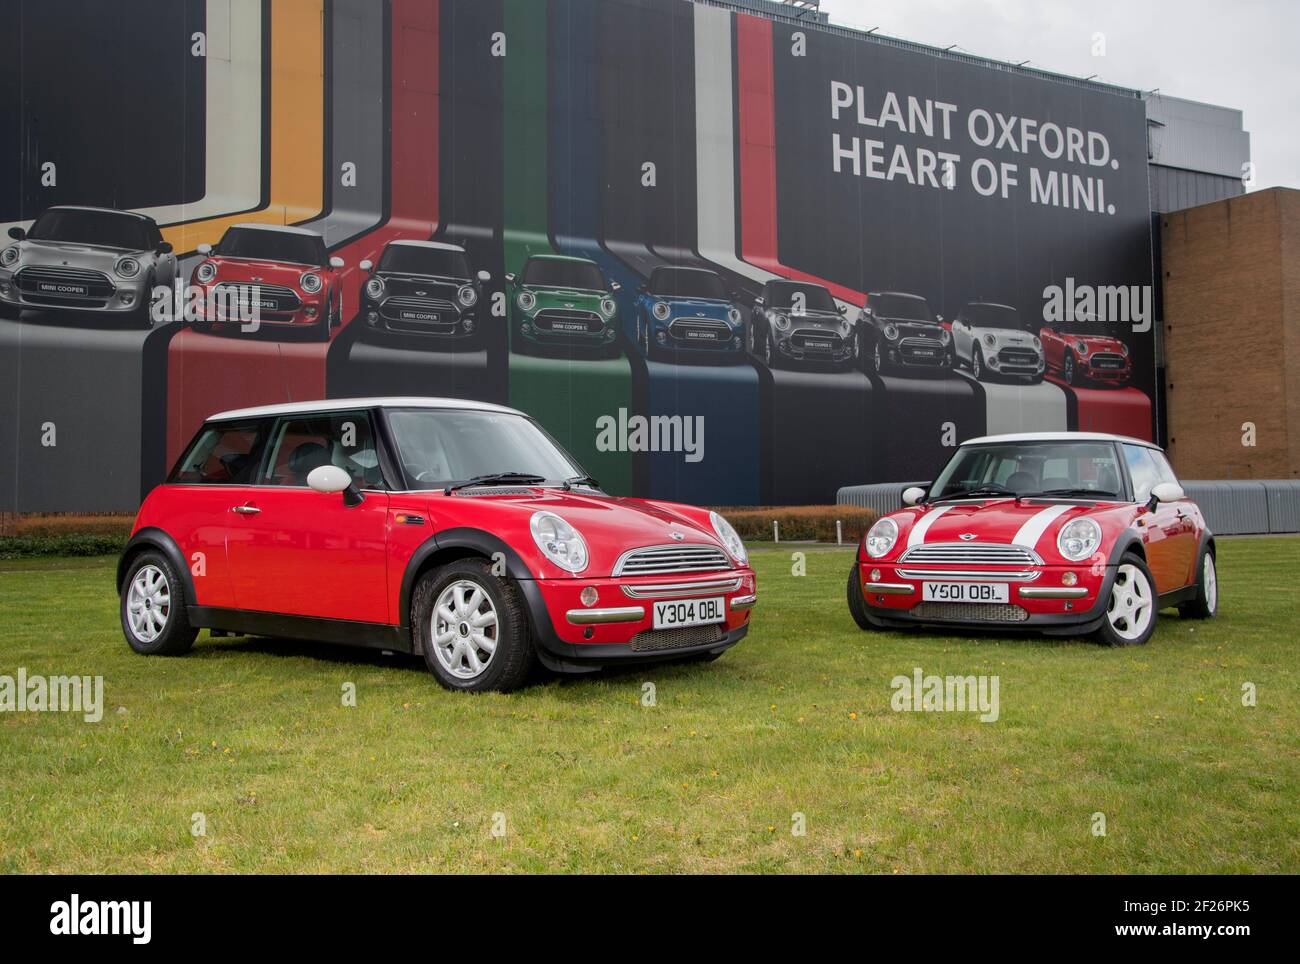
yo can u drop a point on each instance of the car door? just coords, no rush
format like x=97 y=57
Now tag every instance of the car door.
x=1185 y=531
x=960 y=339
x=214 y=473
x=1051 y=339
x=1162 y=527
x=300 y=552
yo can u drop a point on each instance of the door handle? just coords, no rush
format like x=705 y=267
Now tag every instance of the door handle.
x=246 y=509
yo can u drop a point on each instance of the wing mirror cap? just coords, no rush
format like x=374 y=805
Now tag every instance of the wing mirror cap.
x=367 y=265
x=510 y=277
x=204 y=249
x=165 y=247
x=336 y=262
x=484 y=276
x=331 y=478
x=913 y=495
x=1166 y=492
x=17 y=233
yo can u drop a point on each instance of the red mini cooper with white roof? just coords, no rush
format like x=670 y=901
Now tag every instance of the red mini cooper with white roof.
x=456 y=530
x=1070 y=533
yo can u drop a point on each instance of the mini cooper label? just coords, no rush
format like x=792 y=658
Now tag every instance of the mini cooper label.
x=678 y=613
x=568 y=326
x=967 y=592
x=817 y=344
x=61 y=288
x=432 y=316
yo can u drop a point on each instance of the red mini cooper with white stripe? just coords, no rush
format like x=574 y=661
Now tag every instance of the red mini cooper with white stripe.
x=455 y=530
x=1069 y=533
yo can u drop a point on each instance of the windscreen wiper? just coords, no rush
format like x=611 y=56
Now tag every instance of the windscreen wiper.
x=495 y=478
x=586 y=480
x=1077 y=493
x=987 y=488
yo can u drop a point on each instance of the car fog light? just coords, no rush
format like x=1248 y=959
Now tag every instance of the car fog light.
x=735 y=342
x=993 y=363
x=661 y=337
x=526 y=328
x=589 y=596
x=310 y=312
x=372 y=318
x=4 y=289
x=1069 y=578
x=128 y=298
x=875 y=575
x=468 y=324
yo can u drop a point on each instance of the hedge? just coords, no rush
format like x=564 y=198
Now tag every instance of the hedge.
x=801 y=522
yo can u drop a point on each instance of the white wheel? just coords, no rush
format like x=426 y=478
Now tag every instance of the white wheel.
x=464 y=629
x=1210 y=580
x=148 y=604
x=1131 y=607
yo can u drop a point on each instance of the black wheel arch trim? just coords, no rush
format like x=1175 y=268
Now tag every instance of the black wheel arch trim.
x=479 y=541
x=154 y=538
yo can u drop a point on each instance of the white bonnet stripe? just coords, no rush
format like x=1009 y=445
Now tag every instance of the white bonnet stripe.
x=917 y=535
x=1033 y=529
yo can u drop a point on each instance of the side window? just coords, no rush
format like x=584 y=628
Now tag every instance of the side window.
x=1163 y=471
x=1142 y=469
x=222 y=455
x=300 y=444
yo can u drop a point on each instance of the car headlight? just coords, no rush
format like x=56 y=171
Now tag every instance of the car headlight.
x=729 y=538
x=608 y=307
x=9 y=255
x=205 y=272
x=375 y=288
x=1079 y=539
x=310 y=282
x=945 y=336
x=780 y=320
x=891 y=332
x=661 y=310
x=127 y=267
x=467 y=296
x=733 y=315
x=559 y=541
x=882 y=537
x=526 y=300
x=990 y=341
x=1081 y=347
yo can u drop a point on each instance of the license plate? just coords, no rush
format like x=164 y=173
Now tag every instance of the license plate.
x=57 y=288
x=676 y=613
x=420 y=316
x=968 y=592
x=569 y=326
x=922 y=353
x=1108 y=364
x=818 y=345
x=702 y=335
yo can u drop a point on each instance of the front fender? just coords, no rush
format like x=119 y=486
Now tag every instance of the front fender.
x=479 y=541
x=155 y=538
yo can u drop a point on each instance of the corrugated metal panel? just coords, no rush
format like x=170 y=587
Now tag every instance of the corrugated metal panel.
x=1173 y=189
x=1231 y=507
x=1193 y=136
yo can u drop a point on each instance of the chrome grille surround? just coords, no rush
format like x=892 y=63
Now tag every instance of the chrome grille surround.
x=97 y=284
x=664 y=560
x=674 y=590
x=705 y=329
x=971 y=612
x=971 y=553
x=234 y=293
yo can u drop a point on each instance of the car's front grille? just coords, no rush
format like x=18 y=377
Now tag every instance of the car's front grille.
x=431 y=315
x=699 y=330
x=922 y=351
x=971 y=612
x=660 y=560
x=56 y=284
x=566 y=320
x=997 y=575
x=1107 y=361
x=813 y=340
x=971 y=553
x=672 y=590
x=1019 y=357
x=659 y=640
x=273 y=298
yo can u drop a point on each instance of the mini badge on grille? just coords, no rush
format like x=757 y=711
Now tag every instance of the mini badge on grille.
x=967 y=536
x=676 y=536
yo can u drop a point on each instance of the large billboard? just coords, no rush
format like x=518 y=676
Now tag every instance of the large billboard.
x=723 y=258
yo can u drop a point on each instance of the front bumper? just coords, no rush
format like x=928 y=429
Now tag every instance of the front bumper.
x=706 y=336
x=1012 y=363
x=527 y=329
x=815 y=346
x=619 y=627
x=218 y=309
x=1038 y=601
x=918 y=353
x=111 y=296
x=1107 y=376
x=447 y=323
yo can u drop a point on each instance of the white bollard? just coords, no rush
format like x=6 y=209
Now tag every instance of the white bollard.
x=839 y=533
x=776 y=532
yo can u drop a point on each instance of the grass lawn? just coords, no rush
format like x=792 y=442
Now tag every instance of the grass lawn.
x=584 y=777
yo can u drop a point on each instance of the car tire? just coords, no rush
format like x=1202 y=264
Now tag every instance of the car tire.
x=857 y=604
x=152 y=585
x=452 y=662
x=768 y=352
x=1205 y=604
x=1069 y=370
x=878 y=363
x=977 y=364
x=1127 y=620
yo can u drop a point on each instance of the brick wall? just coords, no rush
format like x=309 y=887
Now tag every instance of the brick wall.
x=1232 y=336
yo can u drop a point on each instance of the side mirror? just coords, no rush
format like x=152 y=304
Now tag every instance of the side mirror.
x=1166 y=492
x=913 y=495
x=510 y=277
x=336 y=262
x=939 y=319
x=843 y=309
x=484 y=276
x=758 y=302
x=615 y=286
x=165 y=247
x=331 y=478
x=17 y=233
x=204 y=249
x=367 y=266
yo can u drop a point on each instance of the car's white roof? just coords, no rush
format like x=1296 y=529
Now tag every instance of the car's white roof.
x=435 y=245
x=334 y=404
x=280 y=228
x=1057 y=437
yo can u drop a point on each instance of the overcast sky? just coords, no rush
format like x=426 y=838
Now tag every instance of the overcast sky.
x=1242 y=55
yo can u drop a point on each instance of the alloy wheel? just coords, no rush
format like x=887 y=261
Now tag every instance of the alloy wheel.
x=464 y=629
x=1130 y=608
x=148 y=603
x=1210 y=582
x=1069 y=369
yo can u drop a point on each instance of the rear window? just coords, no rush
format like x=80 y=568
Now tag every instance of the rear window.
x=221 y=455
